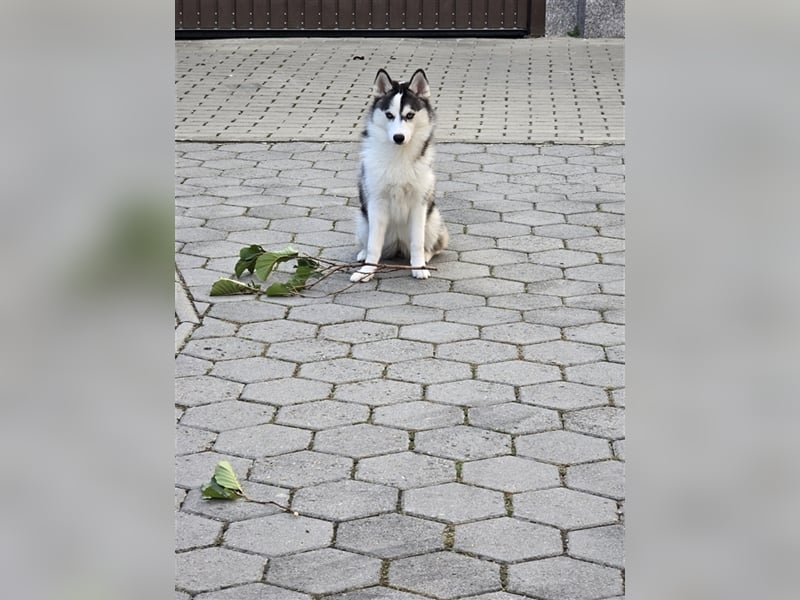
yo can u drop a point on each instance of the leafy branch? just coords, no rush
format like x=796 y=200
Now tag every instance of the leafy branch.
x=308 y=272
x=224 y=485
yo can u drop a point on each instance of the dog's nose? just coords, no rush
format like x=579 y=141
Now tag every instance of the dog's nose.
x=399 y=138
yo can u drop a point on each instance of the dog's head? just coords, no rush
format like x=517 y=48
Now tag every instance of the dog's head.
x=402 y=108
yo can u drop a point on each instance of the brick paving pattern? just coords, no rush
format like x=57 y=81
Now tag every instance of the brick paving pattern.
x=460 y=437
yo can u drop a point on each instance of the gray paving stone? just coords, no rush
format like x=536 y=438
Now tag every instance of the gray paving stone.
x=510 y=474
x=448 y=300
x=300 y=469
x=192 y=531
x=565 y=508
x=277 y=331
x=307 y=350
x=391 y=536
x=189 y=440
x=601 y=302
x=494 y=257
x=597 y=244
x=605 y=374
x=231 y=414
x=429 y=370
x=279 y=534
x=563 y=578
x=376 y=593
x=508 y=540
x=596 y=273
x=454 y=502
x=486 y=288
x=476 y=351
x=520 y=333
x=606 y=478
x=518 y=372
x=418 y=415
x=252 y=370
x=496 y=596
x=563 y=353
x=211 y=568
x=563 y=288
x=529 y=243
x=341 y=370
x=262 y=440
x=401 y=284
x=392 y=350
x=406 y=470
x=282 y=392
x=439 y=332
x=324 y=571
x=599 y=544
x=359 y=332
x=246 y=311
x=254 y=591
x=372 y=298
x=379 y=392
x=194 y=470
x=514 y=418
x=562 y=316
x=563 y=395
x=326 y=314
x=239 y=510
x=619 y=449
x=213 y=328
x=462 y=443
x=498 y=230
x=343 y=500
x=360 y=441
x=471 y=393
x=196 y=391
x=404 y=315
x=604 y=334
x=322 y=414
x=444 y=575
x=607 y=422
x=456 y=270
x=562 y=447
x=519 y=301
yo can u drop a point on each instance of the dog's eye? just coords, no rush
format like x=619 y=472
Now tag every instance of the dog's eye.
x=389 y=116
x=409 y=116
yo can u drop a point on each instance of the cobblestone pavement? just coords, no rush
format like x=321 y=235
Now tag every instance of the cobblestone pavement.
x=288 y=89
x=450 y=438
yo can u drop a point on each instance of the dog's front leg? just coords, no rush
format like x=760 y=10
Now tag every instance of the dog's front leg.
x=374 y=249
x=416 y=240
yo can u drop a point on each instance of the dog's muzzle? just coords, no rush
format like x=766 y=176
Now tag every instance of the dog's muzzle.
x=399 y=138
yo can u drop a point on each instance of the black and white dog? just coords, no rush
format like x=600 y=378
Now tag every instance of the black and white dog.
x=396 y=185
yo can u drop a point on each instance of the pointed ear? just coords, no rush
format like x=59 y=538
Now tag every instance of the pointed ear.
x=382 y=85
x=419 y=84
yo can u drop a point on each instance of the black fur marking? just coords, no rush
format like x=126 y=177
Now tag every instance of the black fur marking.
x=407 y=99
x=431 y=206
x=425 y=146
x=365 y=133
x=362 y=197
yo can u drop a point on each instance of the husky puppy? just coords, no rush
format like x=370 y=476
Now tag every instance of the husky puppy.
x=396 y=184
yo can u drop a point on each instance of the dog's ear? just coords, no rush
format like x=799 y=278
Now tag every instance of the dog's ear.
x=419 y=84
x=382 y=85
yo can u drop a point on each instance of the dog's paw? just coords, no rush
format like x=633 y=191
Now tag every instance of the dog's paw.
x=363 y=275
x=420 y=273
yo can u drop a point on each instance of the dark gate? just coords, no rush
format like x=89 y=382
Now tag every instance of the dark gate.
x=250 y=18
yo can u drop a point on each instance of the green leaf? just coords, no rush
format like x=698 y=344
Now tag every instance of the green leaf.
x=267 y=261
x=247 y=259
x=304 y=261
x=280 y=289
x=214 y=490
x=231 y=287
x=251 y=251
x=224 y=476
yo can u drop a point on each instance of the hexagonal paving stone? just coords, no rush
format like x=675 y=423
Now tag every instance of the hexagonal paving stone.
x=597 y=273
x=392 y=350
x=251 y=370
x=429 y=370
x=563 y=258
x=342 y=500
x=476 y=351
x=606 y=478
x=514 y=418
x=444 y=575
x=562 y=316
x=360 y=441
x=605 y=374
x=359 y=332
x=371 y=299
x=210 y=568
x=195 y=391
x=279 y=534
x=599 y=544
x=528 y=273
x=262 y=440
x=225 y=510
x=496 y=596
x=563 y=288
x=462 y=443
x=341 y=370
x=189 y=440
x=562 y=447
x=518 y=372
x=482 y=315
x=520 y=333
x=565 y=508
x=486 y=288
x=378 y=392
x=281 y=392
x=308 y=350
x=562 y=395
x=192 y=531
x=471 y=393
x=322 y=414
x=324 y=571
x=326 y=314
x=300 y=469
x=418 y=415
x=277 y=331
x=376 y=593
x=454 y=502
x=406 y=470
x=439 y=332
x=561 y=578
x=563 y=353
x=246 y=311
x=254 y=591
x=604 y=334
x=194 y=470
x=606 y=421
x=510 y=474
x=223 y=348
x=508 y=540
x=390 y=536
x=407 y=314
x=446 y=300
x=232 y=414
